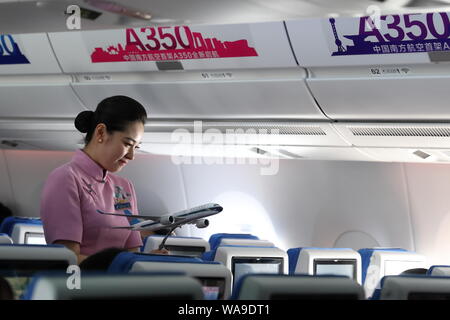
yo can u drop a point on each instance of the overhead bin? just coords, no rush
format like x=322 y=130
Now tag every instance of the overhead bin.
x=26 y=54
x=46 y=134
x=38 y=96
x=213 y=47
x=394 y=71
x=220 y=71
x=31 y=83
x=242 y=94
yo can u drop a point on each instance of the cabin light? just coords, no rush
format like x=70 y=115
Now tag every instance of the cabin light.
x=421 y=154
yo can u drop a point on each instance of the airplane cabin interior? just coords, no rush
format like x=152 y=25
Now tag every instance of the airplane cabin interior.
x=322 y=128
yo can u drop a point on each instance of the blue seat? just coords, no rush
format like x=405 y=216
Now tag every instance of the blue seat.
x=162 y=285
x=215 y=239
x=23 y=230
x=214 y=276
x=9 y=222
x=186 y=246
x=439 y=270
x=28 y=259
x=380 y=262
x=321 y=261
x=241 y=260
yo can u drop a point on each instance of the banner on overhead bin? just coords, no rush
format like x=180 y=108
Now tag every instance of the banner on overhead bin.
x=390 y=34
x=205 y=47
x=369 y=40
x=27 y=54
x=171 y=43
x=10 y=52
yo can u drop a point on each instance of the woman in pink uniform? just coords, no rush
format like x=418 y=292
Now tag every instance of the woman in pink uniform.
x=73 y=192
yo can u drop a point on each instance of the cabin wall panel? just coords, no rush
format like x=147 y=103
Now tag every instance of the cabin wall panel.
x=429 y=190
x=6 y=195
x=28 y=171
x=307 y=203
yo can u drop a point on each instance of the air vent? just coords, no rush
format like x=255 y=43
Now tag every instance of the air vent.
x=434 y=132
x=240 y=127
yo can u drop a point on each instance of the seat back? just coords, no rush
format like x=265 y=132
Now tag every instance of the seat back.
x=325 y=261
x=300 y=287
x=439 y=271
x=116 y=287
x=5 y=239
x=214 y=277
x=216 y=239
x=246 y=242
x=241 y=260
x=27 y=259
x=24 y=230
x=415 y=288
x=185 y=246
x=380 y=262
x=18 y=263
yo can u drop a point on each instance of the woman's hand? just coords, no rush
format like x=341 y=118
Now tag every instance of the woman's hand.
x=162 y=251
x=74 y=246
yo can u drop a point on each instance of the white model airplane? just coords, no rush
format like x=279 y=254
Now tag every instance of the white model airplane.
x=193 y=216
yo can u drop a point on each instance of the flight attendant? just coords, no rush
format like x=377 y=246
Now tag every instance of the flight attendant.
x=74 y=191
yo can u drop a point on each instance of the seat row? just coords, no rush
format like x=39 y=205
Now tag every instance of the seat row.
x=237 y=267
x=221 y=263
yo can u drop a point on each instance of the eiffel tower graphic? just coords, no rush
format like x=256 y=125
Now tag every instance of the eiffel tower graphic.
x=337 y=41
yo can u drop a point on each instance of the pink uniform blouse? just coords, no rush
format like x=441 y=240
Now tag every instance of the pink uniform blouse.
x=70 y=198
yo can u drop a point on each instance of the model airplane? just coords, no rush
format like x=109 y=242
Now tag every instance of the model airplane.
x=190 y=216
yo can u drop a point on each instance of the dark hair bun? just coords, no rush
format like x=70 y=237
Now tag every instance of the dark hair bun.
x=84 y=120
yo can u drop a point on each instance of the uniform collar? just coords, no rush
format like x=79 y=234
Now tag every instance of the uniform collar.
x=90 y=166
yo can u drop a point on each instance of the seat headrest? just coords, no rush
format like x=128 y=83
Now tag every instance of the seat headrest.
x=366 y=254
x=263 y=286
x=124 y=261
x=9 y=222
x=215 y=239
x=211 y=255
x=177 y=243
x=116 y=286
x=294 y=254
x=439 y=270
